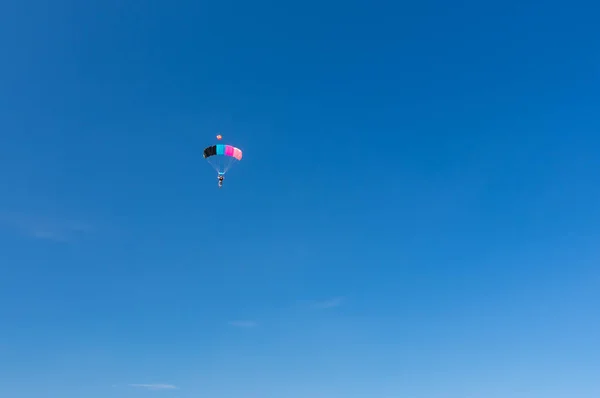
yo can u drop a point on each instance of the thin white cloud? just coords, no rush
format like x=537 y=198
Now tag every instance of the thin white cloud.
x=331 y=303
x=44 y=228
x=154 y=386
x=243 y=324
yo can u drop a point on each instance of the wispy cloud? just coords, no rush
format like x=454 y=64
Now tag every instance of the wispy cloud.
x=44 y=228
x=154 y=386
x=243 y=324
x=331 y=303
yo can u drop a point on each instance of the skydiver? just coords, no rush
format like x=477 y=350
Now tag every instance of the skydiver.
x=220 y=181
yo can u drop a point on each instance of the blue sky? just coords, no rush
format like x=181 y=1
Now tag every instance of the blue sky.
x=416 y=214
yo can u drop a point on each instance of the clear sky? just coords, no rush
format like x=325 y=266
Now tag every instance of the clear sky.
x=416 y=214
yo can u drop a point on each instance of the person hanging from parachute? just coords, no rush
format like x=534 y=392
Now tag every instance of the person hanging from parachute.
x=221 y=158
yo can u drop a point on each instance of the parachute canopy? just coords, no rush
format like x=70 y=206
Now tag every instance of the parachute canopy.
x=222 y=157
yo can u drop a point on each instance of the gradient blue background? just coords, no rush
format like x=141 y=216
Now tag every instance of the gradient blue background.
x=416 y=215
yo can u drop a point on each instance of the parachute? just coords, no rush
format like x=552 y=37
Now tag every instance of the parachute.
x=222 y=157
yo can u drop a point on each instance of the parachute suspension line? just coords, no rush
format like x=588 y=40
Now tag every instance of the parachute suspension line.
x=227 y=163
x=221 y=163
